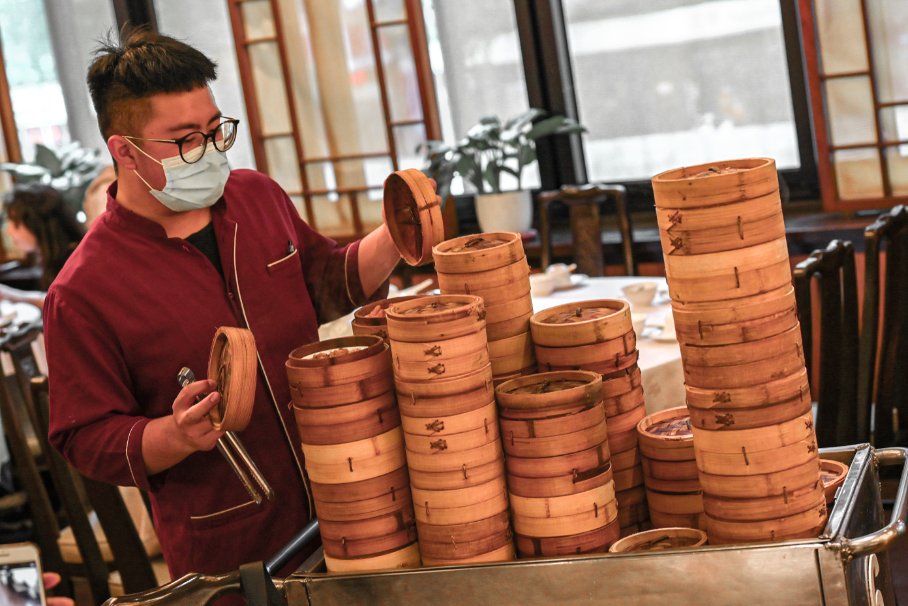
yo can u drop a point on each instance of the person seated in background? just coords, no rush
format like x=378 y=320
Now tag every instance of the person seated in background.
x=38 y=221
x=95 y=201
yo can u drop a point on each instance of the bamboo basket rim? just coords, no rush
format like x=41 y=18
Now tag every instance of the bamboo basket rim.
x=660 y=440
x=633 y=542
x=585 y=391
x=756 y=439
x=361 y=314
x=557 y=506
x=406 y=557
x=446 y=260
x=463 y=304
x=619 y=315
x=790 y=387
x=713 y=264
x=567 y=524
x=373 y=345
x=418 y=194
x=233 y=366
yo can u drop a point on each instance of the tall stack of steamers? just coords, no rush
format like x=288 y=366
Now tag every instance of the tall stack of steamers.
x=729 y=278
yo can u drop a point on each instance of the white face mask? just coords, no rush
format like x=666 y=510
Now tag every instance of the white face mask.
x=191 y=186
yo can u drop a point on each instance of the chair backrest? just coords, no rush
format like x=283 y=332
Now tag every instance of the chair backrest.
x=890 y=372
x=837 y=411
x=586 y=234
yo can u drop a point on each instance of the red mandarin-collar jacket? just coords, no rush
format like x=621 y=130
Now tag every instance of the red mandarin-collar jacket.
x=132 y=307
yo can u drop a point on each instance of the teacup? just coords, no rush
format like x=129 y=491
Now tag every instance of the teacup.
x=542 y=285
x=561 y=273
x=640 y=294
x=639 y=322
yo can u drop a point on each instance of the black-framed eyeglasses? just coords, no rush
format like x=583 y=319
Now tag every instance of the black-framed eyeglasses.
x=192 y=146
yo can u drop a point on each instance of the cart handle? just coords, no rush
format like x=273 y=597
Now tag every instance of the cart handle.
x=880 y=540
x=194 y=589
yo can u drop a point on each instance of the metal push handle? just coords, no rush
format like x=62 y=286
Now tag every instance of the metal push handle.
x=880 y=540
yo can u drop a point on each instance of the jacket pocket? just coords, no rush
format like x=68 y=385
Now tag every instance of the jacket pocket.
x=224 y=516
x=286 y=265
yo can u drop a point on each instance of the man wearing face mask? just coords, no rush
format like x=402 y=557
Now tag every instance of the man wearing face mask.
x=186 y=246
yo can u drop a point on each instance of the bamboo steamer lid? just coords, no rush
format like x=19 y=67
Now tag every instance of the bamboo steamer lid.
x=788 y=387
x=423 y=393
x=666 y=435
x=587 y=354
x=502 y=554
x=742 y=353
x=758 y=486
x=758 y=462
x=808 y=521
x=455 y=460
x=767 y=508
x=487 y=416
x=550 y=390
x=355 y=461
x=734 y=419
x=832 y=474
x=453 y=442
x=662 y=519
x=660 y=539
x=337 y=395
x=716 y=229
x=593 y=541
x=626 y=460
x=747 y=374
x=552 y=426
x=553 y=507
x=407 y=557
x=412 y=212
x=715 y=183
x=621 y=382
x=233 y=366
x=740 y=284
x=478 y=510
x=454 y=551
x=771 y=437
x=549 y=467
x=432 y=370
x=372 y=418
x=338 y=361
x=435 y=318
x=480 y=282
x=510 y=327
x=557 y=445
x=494 y=525
x=464 y=477
x=597 y=515
x=475 y=253
x=370 y=318
x=689 y=503
x=581 y=323
x=654 y=469
x=431 y=500
x=552 y=412
x=558 y=486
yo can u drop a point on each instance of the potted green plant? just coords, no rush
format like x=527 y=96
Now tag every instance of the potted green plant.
x=489 y=151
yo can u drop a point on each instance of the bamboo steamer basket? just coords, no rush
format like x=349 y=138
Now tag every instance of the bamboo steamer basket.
x=495 y=525
x=662 y=519
x=412 y=210
x=374 y=417
x=480 y=282
x=670 y=486
x=759 y=486
x=771 y=437
x=541 y=414
x=832 y=474
x=735 y=284
x=767 y=508
x=629 y=478
x=475 y=253
x=422 y=394
x=487 y=416
x=432 y=370
x=742 y=353
x=431 y=500
x=502 y=554
x=552 y=426
x=499 y=295
x=368 y=537
x=518 y=345
x=715 y=183
x=621 y=382
x=435 y=318
x=355 y=461
x=337 y=395
x=631 y=516
x=559 y=486
x=660 y=539
x=556 y=445
x=739 y=332
x=408 y=557
x=550 y=390
x=587 y=354
x=682 y=471
x=633 y=529
x=437 y=351
x=690 y=503
x=354 y=548
x=478 y=510
x=233 y=366
x=797 y=525
x=510 y=327
x=464 y=477
x=599 y=514
x=593 y=541
x=554 y=507
x=626 y=460
x=581 y=323
x=622 y=429
x=630 y=497
x=454 y=460
x=625 y=403
x=758 y=462
x=565 y=465
x=513 y=363
x=724 y=419
x=460 y=551
x=747 y=374
x=389 y=485
x=352 y=511
x=666 y=435
x=605 y=367
x=517 y=307
x=445 y=406
x=723 y=263
x=788 y=387
x=453 y=442
x=374 y=358
x=499 y=379
x=370 y=318
x=344 y=413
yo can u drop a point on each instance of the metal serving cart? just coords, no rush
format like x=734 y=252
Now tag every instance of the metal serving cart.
x=847 y=564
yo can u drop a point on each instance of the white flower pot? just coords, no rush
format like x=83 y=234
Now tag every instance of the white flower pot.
x=508 y=211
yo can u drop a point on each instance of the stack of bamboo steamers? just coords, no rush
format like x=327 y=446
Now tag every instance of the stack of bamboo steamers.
x=728 y=272
x=346 y=414
x=443 y=378
x=493 y=266
x=598 y=336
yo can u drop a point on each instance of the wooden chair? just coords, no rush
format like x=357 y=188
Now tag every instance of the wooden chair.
x=884 y=350
x=836 y=407
x=584 y=202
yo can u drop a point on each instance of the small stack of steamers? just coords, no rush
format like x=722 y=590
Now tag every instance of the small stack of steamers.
x=559 y=476
x=349 y=426
x=726 y=261
x=493 y=266
x=443 y=378
x=598 y=336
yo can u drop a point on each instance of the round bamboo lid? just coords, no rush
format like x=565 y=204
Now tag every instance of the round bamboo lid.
x=413 y=214
x=233 y=366
x=660 y=539
x=581 y=323
x=477 y=253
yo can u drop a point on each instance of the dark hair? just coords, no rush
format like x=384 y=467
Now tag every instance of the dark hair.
x=44 y=212
x=124 y=75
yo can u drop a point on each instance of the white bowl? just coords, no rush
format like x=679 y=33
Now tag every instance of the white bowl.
x=561 y=273
x=639 y=322
x=542 y=285
x=640 y=294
